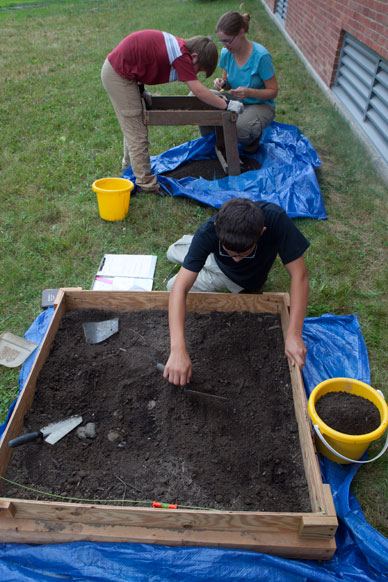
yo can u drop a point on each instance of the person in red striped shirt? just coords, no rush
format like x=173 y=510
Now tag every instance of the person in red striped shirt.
x=154 y=57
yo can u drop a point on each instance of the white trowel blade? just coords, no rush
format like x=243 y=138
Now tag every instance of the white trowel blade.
x=52 y=433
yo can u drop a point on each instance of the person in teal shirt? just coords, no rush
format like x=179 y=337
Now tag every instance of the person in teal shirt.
x=248 y=76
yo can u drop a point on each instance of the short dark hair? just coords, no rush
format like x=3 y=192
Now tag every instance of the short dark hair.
x=207 y=52
x=232 y=22
x=238 y=224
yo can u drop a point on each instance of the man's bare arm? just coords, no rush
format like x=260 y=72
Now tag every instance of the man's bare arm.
x=178 y=368
x=299 y=292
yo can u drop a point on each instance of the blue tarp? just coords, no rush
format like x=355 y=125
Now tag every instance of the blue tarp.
x=286 y=176
x=335 y=348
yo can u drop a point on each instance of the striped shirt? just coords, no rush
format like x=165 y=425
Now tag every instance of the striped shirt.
x=153 y=57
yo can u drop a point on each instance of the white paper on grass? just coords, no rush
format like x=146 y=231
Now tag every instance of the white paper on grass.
x=125 y=273
x=122 y=284
x=142 y=266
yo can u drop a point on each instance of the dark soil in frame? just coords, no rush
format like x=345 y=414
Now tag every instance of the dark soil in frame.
x=154 y=442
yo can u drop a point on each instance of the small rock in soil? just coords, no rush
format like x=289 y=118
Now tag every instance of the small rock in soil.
x=113 y=436
x=87 y=432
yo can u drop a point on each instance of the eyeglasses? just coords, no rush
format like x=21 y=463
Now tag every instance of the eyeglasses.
x=236 y=256
x=227 y=42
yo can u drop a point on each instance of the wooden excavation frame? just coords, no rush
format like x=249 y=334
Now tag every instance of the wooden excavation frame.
x=174 y=110
x=291 y=535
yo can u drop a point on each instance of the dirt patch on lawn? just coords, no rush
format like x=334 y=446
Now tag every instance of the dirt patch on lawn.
x=209 y=169
x=154 y=442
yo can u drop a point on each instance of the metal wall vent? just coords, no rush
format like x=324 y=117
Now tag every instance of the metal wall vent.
x=281 y=9
x=362 y=86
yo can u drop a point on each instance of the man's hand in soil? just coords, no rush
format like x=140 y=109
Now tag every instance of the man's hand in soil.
x=299 y=291
x=178 y=368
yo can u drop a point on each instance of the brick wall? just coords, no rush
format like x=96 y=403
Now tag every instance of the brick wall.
x=317 y=28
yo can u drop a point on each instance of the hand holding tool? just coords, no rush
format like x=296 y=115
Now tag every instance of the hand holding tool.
x=161 y=367
x=219 y=84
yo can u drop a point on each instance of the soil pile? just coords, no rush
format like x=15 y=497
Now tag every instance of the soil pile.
x=210 y=169
x=348 y=413
x=154 y=442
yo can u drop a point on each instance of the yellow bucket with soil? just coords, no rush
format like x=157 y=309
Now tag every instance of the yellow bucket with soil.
x=113 y=195
x=341 y=447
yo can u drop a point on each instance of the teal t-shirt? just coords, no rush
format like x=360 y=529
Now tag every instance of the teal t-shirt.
x=258 y=68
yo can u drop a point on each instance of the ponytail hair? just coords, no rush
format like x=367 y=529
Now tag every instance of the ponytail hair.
x=232 y=22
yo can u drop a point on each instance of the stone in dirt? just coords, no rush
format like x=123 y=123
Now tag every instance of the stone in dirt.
x=153 y=441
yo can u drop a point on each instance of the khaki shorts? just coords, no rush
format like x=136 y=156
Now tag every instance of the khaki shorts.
x=210 y=278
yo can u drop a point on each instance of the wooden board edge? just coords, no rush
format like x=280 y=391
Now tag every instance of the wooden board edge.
x=328 y=501
x=310 y=527
x=7 y=509
x=319 y=500
x=258 y=522
x=27 y=393
x=201 y=302
x=183 y=117
x=289 y=545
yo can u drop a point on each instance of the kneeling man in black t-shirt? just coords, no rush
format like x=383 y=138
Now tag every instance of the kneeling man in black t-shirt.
x=235 y=250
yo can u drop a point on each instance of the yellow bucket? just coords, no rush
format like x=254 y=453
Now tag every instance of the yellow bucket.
x=337 y=446
x=113 y=196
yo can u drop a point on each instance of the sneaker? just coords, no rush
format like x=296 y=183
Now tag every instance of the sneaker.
x=155 y=190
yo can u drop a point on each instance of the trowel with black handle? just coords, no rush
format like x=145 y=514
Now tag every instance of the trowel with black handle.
x=51 y=433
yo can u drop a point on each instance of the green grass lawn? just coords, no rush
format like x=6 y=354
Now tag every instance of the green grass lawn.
x=59 y=134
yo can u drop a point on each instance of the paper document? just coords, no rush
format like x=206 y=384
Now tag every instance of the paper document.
x=125 y=273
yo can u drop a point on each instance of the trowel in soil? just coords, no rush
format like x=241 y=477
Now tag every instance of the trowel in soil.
x=98 y=331
x=51 y=433
x=160 y=367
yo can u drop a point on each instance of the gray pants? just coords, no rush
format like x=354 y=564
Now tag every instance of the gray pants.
x=126 y=101
x=210 y=278
x=250 y=122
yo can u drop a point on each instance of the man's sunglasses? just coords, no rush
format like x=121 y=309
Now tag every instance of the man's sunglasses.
x=237 y=255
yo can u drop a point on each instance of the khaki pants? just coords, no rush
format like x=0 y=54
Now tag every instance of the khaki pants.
x=250 y=123
x=126 y=101
x=210 y=278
